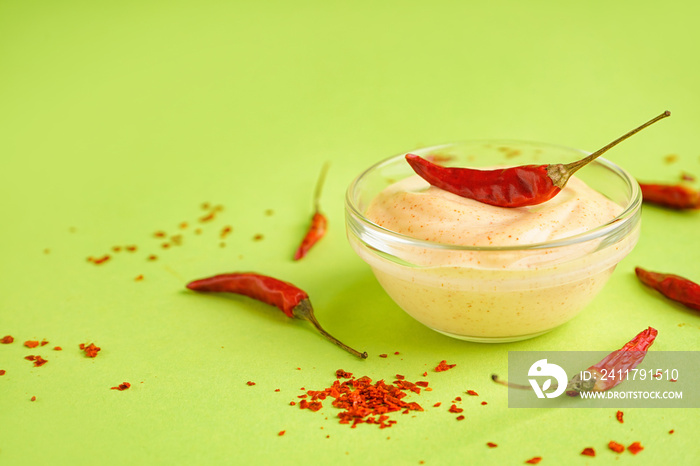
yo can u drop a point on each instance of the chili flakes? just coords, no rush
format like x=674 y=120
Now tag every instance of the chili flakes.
x=443 y=366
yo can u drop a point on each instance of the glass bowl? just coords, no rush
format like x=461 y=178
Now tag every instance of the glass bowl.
x=494 y=293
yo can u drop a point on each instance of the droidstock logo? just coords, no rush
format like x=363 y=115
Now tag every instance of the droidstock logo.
x=543 y=369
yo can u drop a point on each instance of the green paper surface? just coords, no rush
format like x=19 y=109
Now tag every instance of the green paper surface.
x=120 y=120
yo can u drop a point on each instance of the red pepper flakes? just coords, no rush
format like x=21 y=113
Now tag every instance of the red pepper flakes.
x=38 y=360
x=383 y=355
x=460 y=418
x=396 y=353
x=165 y=245
x=341 y=374
x=437 y=405
x=2 y=372
x=422 y=383
x=32 y=398
x=225 y=231
x=406 y=385
x=131 y=248
x=258 y=237
x=159 y=234
x=122 y=386
x=425 y=374
x=7 y=339
x=443 y=366
x=302 y=396
x=588 y=452
x=90 y=350
x=116 y=248
x=616 y=447
x=207 y=218
x=687 y=177
x=292 y=403
x=472 y=393
x=281 y=432
x=152 y=257
x=100 y=260
x=491 y=445
x=455 y=409
x=671 y=431
x=635 y=448
x=458 y=398
x=400 y=377
x=618 y=416
x=57 y=348
x=183 y=225
x=138 y=278
x=483 y=403
x=534 y=460
x=31 y=343
x=44 y=342
x=250 y=383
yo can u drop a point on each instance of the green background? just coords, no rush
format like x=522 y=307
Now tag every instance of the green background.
x=119 y=120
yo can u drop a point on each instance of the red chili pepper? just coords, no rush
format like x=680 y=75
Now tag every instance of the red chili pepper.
x=509 y=187
x=291 y=300
x=319 y=223
x=672 y=196
x=672 y=286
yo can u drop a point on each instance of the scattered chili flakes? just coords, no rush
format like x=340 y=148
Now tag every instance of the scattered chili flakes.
x=38 y=360
x=207 y=218
x=138 y=278
x=588 y=452
x=90 y=350
x=2 y=372
x=100 y=260
x=152 y=257
x=183 y=225
x=122 y=386
x=7 y=339
x=534 y=460
x=635 y=448
x=491 y=445
x=159 y=234
x=483 y=403
x=618 y=416
x=31 y=343
x=226 y=231
x=277 y=389
x=165 y=245
x=400 y=377
x=57 y=348
x=687 y=177
x=422 y=383
x=437 y=405
x=460 y=418
x=383 y=355
x=176 y=240
x=455 y=409
x=671 y=431
x=616 y=447
x=32 y=398
x=341 y=374
x=425 y=374
x=250 y=383
x=292 y=403
x=131 y=248
x=44 y=342
x=281 y=432
x=206 y=206
x=258 y=237
x=443 y=366
x=472 y=393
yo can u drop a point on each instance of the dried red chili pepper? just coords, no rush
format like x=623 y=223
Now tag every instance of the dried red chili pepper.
x=635 y=448
x=90 y=350
x=319 y=223
x=534 y=460
x=672 y=286
x=122 y=386
x=491 y=445
x=31 y=343
x=619 y=416
x=443 y=366
x=672 y=196
x=291 y=300
x=588 y=452
x=616 y=447
x=509 y=187
x=7 y=339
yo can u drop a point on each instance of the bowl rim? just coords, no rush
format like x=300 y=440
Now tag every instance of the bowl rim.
x=617 y=223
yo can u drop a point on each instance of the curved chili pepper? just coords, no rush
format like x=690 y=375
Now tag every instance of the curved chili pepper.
x=319 y=223
x=291 y=300
x=677 y=288
x=671 y=196
x=509 y=187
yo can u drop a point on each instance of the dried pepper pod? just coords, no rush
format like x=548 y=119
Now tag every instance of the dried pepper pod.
x=674 y=287
x=510 y=187
x=291 y=300
x=319 y=222
x=676 y=196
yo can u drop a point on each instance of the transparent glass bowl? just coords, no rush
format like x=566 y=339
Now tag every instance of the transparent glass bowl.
x=436 y=284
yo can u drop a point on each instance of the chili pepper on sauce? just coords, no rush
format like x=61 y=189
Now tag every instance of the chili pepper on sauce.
x=672 y=286
x=291 y=300
x=672 y=196
x=625 y=359
x=319 y=223
x=509 y=187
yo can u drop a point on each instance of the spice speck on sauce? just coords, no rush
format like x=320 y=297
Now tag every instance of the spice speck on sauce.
x=57 y=348
x=281 y=432
x=159 y=234
x=90 y=350
x=44 y=342
x=38 y=360
x=635 y=448
x=616 y=447
x=588 y=452
x=483 y=403
x=437 y=405
x=491 y=445
x=258 y=237
x=32 y=398
x=138 y=278
x=152 y=257
x=31 y=343
x=2 y=372
x=472 y=393
x=383 y=355
x=534 y=460
x=341 y=374
x=225 y=231
x=122 y=386
x=671 y=431
x=460 y=418
x=250 y=383
x=7 y=339
x=455 y=409
x=131 y=248
x=618 y=416
x=443 y=366
x=671 y=158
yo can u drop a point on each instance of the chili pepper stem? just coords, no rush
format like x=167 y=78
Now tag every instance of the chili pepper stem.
x=303 y=310
x=319 y=186
x=560 y=173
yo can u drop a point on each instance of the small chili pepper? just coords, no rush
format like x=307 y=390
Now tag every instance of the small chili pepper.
x=509 y=187
x=675 y=196
x=624 y=360
x=319 y=223
x=291 y=300
x=672 y=286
